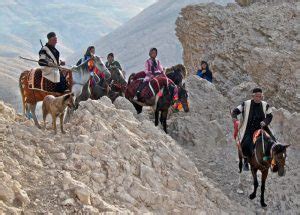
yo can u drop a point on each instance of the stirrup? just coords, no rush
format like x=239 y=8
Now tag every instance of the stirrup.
x=28 y=115
x=266 y=158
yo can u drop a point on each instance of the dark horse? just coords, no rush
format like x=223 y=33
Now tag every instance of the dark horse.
x=167 y=100
x=113 y=87
x=267 y=154
x=161 y=93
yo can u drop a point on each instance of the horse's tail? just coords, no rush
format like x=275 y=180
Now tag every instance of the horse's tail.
x=21 y=87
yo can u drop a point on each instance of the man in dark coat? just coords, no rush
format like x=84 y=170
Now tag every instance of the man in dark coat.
x=256 y=114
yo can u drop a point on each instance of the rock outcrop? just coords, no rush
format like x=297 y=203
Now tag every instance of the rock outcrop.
x=251 y=46
x=205 y=134
x=245 y=47
x=109 y=161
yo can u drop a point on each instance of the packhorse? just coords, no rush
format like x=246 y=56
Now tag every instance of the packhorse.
x=76 y=78
x=160 y=93
x=266 y=154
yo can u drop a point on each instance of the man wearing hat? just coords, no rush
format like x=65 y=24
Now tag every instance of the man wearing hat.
x=256 y=114
x=49 y=59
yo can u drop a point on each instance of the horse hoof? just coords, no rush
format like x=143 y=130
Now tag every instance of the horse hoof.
x=252 y=196
x=263 y=204
x=246 y=167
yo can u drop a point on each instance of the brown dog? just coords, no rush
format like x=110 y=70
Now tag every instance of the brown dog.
x=56 y=107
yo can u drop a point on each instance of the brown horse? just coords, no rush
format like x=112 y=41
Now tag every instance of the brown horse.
x=267 y=154
x=77 y=77
x=30 y=97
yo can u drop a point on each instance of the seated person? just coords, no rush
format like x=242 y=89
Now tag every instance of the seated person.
x=204 y=72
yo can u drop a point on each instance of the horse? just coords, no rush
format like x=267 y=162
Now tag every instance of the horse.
x=177 y=74
x=161 y=94
x=267 y=154
x=77 y=77
x=113 y=87
x=167 y=100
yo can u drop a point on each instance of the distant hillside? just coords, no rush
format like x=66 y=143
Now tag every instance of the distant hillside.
x=154 y=27
x=77 y=24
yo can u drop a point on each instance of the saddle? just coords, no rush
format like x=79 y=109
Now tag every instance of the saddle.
x=149 y=90
x=36 y=81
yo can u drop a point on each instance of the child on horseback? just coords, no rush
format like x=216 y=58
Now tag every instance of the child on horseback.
x=152 y=68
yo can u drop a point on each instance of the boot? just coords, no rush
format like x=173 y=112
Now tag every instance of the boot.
x=246 y=165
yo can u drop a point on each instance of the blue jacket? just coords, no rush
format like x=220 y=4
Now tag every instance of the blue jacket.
x=207 y=75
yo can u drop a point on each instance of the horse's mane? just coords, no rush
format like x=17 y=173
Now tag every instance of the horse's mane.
x=180 y=67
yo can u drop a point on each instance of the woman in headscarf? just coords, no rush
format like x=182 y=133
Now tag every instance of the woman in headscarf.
x=88 y=54
x=205 y=72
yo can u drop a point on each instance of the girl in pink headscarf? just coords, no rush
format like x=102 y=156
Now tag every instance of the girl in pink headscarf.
x=152 y=69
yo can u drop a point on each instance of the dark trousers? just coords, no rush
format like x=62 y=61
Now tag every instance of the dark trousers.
x=247 y=144
x=62 y=85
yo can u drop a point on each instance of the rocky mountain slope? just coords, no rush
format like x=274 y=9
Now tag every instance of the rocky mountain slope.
x=154 y=27
x=109 y=161
x=246 y=47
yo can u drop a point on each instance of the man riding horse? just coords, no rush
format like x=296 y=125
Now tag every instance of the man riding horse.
x=257 y=114
x=49 y=61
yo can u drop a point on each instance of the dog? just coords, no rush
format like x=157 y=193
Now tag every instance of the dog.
x=56 y=107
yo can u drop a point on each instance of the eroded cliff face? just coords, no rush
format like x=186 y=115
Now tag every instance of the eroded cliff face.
x=249 y=46
x=256 y=45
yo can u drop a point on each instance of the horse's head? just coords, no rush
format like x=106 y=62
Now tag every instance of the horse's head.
x=118 y=76
x=183 y=98
x=278 y=158
x=101 y=67
x=176 y=73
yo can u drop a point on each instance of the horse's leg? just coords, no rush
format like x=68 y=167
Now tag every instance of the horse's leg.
x=156 y=117
x=164 y=115
x=138 y=108
x=255 y=182
x=27 y=111
x=263 y=181
x=32 y=108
